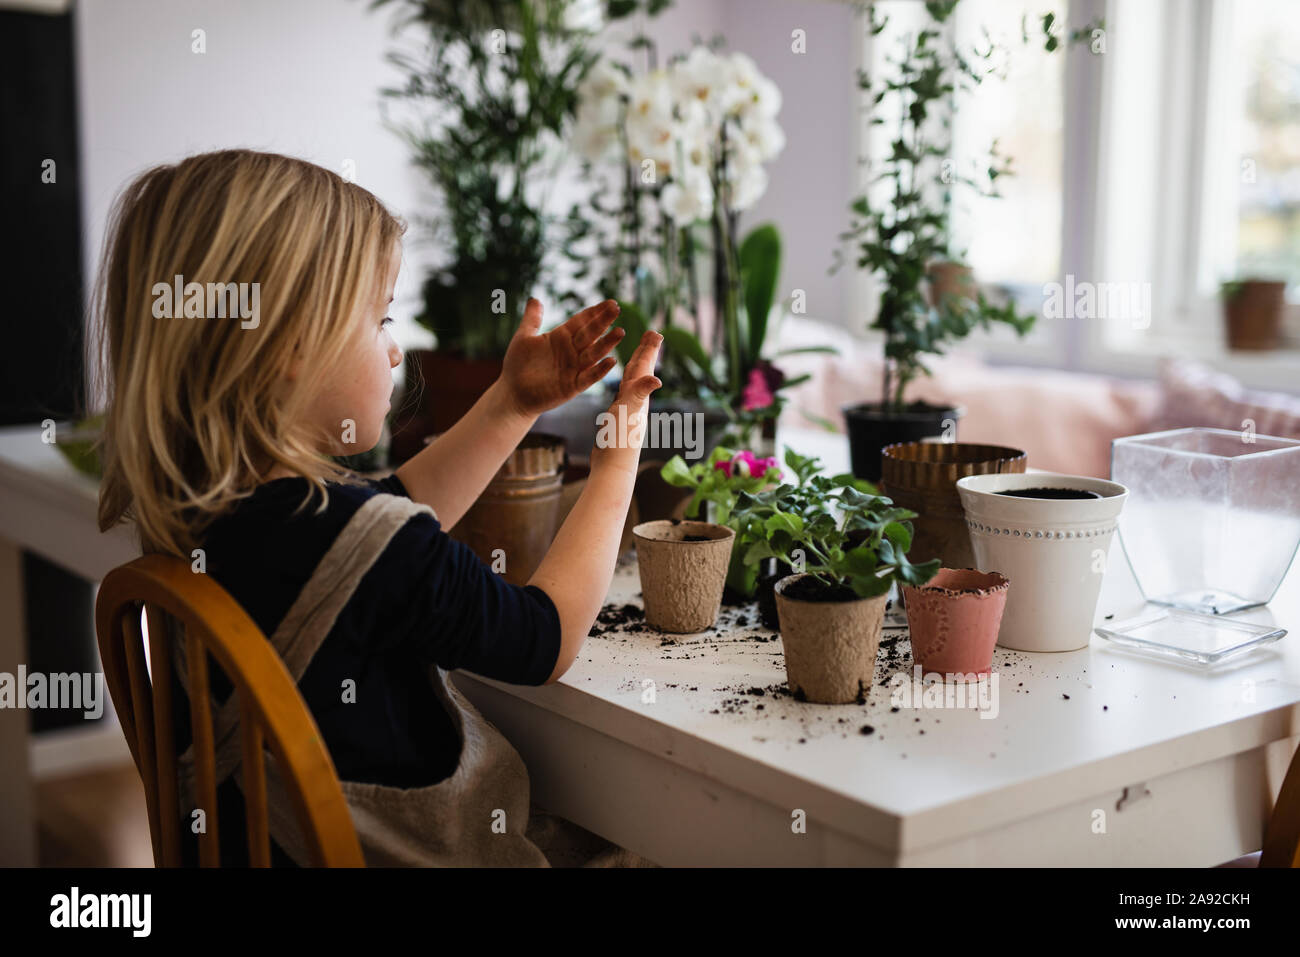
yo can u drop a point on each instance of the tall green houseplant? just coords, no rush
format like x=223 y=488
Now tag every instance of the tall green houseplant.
x=902 y=238
x=485 y=107
x=496 y=86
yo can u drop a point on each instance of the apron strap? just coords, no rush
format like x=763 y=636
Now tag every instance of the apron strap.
x=308 y=621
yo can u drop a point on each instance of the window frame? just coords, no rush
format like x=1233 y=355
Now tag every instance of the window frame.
x=1188 y=248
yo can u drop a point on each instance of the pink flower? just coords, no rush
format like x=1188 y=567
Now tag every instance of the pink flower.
x=756 y=394
x=743 y=464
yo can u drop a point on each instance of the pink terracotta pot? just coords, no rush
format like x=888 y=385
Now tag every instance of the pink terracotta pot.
x=954 y=620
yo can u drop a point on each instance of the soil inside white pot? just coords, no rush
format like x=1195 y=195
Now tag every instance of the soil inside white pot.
x=1057 y=494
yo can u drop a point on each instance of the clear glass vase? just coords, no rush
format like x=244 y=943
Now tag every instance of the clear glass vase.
x=1212 y=521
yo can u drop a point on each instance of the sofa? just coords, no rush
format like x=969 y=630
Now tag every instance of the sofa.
x=1064 y=420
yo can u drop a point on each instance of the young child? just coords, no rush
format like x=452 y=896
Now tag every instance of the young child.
x=219 y=429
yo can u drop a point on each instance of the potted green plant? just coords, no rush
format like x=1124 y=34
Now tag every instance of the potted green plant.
x=496 y=87
x=715 y=483
x=1252 y=312
x=928 y=299
x=846 y=547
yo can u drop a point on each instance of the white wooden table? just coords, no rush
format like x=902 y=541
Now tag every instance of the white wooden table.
x=1184 y=765
x=1144 y=763
x=46 y=507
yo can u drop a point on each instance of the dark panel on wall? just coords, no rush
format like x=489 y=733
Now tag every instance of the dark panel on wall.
x=40 y=245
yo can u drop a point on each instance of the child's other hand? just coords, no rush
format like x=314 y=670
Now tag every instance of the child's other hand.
x=639 y=380
x=542 y=371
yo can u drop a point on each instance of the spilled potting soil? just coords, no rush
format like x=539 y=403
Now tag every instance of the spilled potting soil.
x=734 y=671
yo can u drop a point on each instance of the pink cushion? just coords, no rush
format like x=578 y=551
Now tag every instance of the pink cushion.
x=1065 y=421
x=1196 y=395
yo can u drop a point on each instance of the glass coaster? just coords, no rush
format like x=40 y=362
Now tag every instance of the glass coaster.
x=1188 y=636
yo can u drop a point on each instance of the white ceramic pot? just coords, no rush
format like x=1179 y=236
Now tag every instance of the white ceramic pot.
x=1053 y=551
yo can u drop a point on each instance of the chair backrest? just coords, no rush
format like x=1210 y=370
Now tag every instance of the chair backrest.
x=1282 y=836
x=272 y=713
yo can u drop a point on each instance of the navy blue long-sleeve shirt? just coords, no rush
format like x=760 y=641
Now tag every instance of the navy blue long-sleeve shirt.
x=427 y=599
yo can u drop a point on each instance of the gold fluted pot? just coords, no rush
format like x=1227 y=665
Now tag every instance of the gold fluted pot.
x=512 y=524
x=922 y=476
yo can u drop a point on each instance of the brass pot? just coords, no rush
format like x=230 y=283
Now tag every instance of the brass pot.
x=575 y=482
x=512 y=524
x=922 y=476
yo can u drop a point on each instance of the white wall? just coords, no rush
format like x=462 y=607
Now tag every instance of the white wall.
x=289 y=76
x=815 y=176
x=303 y=76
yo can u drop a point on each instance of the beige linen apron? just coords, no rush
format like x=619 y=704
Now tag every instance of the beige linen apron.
x=477 y=817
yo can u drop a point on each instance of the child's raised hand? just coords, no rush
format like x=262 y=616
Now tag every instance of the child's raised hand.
x=619 y=442
x=543 y=370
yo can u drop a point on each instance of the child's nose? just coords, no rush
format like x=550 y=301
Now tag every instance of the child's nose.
x=395 y=355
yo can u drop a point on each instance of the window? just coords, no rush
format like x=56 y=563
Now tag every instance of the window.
x=1265 y=136
x=1160 y=165
x=1198 y=178
x=1014 y=238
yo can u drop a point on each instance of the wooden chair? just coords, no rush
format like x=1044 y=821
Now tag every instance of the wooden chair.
x=271 y=710
x=1282 y=836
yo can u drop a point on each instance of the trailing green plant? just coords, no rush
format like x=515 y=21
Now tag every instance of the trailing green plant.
x=836 y=528
x=496 y=87
x=898 y=240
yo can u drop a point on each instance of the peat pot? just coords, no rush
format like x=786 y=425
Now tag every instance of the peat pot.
x=830 y=645
x=683 y=566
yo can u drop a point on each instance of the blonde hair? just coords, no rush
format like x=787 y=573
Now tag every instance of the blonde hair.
x=199 y=408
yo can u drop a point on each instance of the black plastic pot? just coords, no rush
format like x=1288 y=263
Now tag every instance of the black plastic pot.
x=872 y=427
x=577 y=422
x=714 y=423
x=773 y=572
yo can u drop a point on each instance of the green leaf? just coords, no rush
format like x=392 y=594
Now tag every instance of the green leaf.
x=676 y=472
x=861 y=561
x=919 y=574
x=801 y=350
x=900 y=534
x=783 y=522
x=760 y=265
x=680 y=340
x=870 y=586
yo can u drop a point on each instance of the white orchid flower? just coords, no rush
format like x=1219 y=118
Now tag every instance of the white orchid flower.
x=586 y=16
x=747 y=189
x=595 y=129
x=765 y=137
x=604 y=81
x=702 y=76
x=688 y=199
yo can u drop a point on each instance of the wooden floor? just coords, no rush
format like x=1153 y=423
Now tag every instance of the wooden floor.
x=93 y=819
